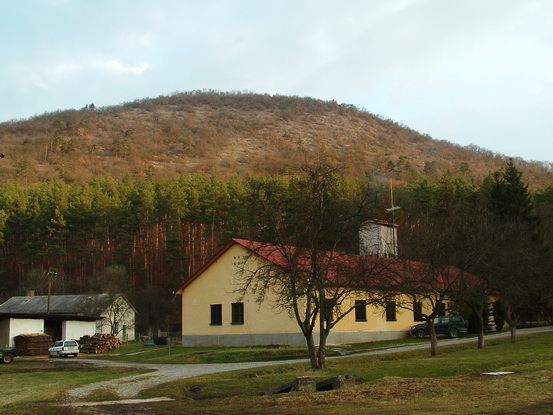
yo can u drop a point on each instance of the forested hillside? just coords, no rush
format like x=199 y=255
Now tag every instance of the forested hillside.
x=135 y=198
x=227 y=134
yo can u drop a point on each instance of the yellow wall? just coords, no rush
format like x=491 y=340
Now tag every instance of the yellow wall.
x=376 y=321
x=219 y=284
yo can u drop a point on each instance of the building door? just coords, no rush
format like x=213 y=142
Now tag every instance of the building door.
x=53 y=328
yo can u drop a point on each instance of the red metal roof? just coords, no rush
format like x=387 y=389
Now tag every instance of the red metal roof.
x=335 y=266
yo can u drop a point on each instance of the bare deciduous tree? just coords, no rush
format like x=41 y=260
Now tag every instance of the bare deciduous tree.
x=435 y=269
x=318 y=288
x=311 y=224
x=118 y=315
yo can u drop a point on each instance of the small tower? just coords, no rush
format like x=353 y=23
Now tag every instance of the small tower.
x=378 y=238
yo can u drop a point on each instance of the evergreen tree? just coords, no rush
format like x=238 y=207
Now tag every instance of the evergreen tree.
x=508 y=196
x=515 y=249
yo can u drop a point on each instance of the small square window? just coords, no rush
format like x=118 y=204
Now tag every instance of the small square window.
x=237 y=313
x=417 y=311
x=216 y=314
x=391 y=311
x=327 y=312
x=360 y=310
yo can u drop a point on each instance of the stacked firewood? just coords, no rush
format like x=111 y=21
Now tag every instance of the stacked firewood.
x=33 y=344
x=99 y=343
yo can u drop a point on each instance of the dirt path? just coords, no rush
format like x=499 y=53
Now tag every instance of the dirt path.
x=130 y=386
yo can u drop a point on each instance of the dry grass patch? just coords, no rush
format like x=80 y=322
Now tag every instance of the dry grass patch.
x=476 y=394
x=101 y=395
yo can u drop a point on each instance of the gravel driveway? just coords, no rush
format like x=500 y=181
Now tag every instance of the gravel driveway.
x=129 y=387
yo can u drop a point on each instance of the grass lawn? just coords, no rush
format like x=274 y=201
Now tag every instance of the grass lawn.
x=37 y=380
x=136 y=352
x=402 y=383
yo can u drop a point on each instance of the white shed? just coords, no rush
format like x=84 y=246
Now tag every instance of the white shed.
x=67 y=316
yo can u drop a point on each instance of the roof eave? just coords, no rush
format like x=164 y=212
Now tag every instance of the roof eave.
x=213 y=259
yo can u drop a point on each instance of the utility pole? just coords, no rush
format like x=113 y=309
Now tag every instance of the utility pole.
x=50 y=273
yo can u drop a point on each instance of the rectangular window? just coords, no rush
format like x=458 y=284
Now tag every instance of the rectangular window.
x=360 y=310
x=441 y=309
x=327 y=312
x=390 y=311
x=237 y=313
x=216 y=315
x=417 y=311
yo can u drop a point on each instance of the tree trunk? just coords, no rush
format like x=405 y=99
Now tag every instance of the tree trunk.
x=513 y=329
x=433 y=338
x=512 y=321
x=321 y=355
x=480 y=331
x=478 y=310
x=312 y=350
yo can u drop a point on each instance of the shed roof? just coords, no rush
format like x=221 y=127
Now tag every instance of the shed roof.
x=80 y=307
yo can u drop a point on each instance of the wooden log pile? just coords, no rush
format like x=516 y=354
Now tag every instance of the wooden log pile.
x=99 y=343
x=33 y=344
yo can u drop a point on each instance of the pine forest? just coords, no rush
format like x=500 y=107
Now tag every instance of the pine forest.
x=135 y=198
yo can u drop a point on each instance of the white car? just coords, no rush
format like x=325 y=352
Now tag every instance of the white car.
x=64 y=348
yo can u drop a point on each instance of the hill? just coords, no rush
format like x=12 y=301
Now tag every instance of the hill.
x=232 y=133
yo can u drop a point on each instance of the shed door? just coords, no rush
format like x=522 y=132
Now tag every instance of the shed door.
x=53 y=328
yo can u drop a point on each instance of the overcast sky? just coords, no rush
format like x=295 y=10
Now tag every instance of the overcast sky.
x=467 y=71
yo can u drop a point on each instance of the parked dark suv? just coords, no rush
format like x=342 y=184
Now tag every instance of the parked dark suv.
x=449 y=325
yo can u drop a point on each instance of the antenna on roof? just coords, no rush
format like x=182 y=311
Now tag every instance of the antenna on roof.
x=391 y=210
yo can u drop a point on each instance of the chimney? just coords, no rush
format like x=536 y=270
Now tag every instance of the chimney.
x=378 y=238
